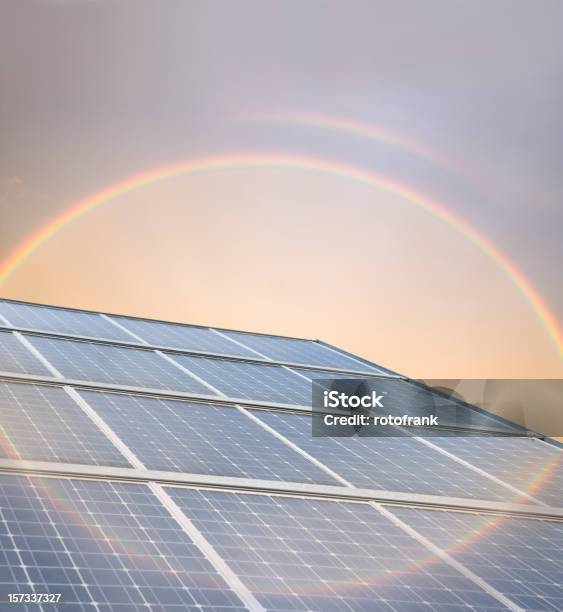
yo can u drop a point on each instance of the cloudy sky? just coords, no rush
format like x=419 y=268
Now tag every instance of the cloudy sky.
x=451 y=102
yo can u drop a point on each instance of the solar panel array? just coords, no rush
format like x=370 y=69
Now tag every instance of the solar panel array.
x=300 y=352
x=16 y=358
x=115 y=365
x=229 y=502
x=103 y=546
x=253 y=381
x=183 y=337
x=518 y=557
x=397 y=463
x=201 y=439
x=297 y=554
x=539 y=467
x=40 y=423
x=30 y=316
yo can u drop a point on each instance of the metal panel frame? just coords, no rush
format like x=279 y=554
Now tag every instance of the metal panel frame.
x=275 y=487
x=193 y=352
x=126 y=316
x=342 y=351
x=136 y=463
x=220 y=356
x=220 y=400
x=96 y=386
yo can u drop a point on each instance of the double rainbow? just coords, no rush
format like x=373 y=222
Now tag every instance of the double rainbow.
x=256 y=161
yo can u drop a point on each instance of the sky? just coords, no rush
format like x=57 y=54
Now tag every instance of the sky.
x=385 y=176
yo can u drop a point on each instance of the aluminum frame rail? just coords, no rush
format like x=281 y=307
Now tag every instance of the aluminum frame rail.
x=219 y=400
x=275 y=487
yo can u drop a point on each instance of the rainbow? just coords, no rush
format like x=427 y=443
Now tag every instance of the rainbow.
x=202 y=165
x=353 y=127
x=545 y=474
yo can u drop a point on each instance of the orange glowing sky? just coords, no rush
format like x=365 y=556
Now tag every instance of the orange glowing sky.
x=274 y=251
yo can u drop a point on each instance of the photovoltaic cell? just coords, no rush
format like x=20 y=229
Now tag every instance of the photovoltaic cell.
x=40 y=423
x=300 y=351
x=251 y=381
x=15 y=357
x=174 y=335
x=303 y=554
x=389 y=463
x=201 y=439
x=526 y=463
x=61 y=320
x=521 y=558
x=109 y=544
x=117 y=365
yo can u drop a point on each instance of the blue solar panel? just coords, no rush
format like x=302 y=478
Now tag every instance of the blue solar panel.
x=300 y=351
x=521 y=558
x=303 y=554
x=108 y=546
x=41 y=423
x=390 y=463
x=174 y=335
x=526 y=463
x=15 y=357
x=61 y=320
x=117 y=365
x=201 y=439
x=104 y=546
x=268 y=383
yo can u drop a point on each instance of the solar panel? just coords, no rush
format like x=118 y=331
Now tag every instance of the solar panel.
x=300 y=351
x=117 y=365
x=15 y=357
x=201 y=439
x=61 y=320
x=526 y=463
x=41 y=423
x=174 y=335
x=103 y=546
x=108 y=545
x=521 y=558
x=304 y=554
x=251 y=381
x=389 y=463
